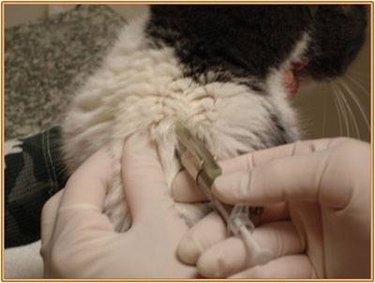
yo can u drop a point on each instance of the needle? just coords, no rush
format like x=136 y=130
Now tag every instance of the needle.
x=204 y=169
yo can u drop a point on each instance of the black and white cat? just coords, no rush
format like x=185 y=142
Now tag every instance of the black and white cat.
x=218 y=69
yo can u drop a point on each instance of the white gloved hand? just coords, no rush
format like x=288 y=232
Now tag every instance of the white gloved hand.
x=326 y=185
x=78 y=241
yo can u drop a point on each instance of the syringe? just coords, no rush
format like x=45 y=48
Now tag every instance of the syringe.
x=203 y=168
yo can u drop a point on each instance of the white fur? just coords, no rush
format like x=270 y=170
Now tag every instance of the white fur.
x=139 y=87
x=276 y=85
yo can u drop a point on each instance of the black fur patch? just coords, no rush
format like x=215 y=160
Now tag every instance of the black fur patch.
x=243 y=40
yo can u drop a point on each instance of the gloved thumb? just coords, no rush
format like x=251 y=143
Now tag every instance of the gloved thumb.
x=143 y=178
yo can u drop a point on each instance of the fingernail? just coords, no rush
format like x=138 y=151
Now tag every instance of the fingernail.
x=232 y=187
x=221 y=185
x=188 y=251
x=212 y=266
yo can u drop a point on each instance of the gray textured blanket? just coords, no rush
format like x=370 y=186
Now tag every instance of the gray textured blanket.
x=46 y=61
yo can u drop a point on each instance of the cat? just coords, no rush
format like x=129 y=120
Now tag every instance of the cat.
x=220 y=70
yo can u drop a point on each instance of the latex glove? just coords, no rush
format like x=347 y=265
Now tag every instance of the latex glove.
x=326 y=184
x=79 y=241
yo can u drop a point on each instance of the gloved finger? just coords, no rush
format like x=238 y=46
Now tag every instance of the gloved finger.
x=143 y=178
x=326 y=177
x=206 y=233
x=232 y=255
x=289 y=182
x=292 y=266
x=212 y=230
x=254 y=159
x=49 y=213
x=87 y=186
x=308 y=173
x=184 y=189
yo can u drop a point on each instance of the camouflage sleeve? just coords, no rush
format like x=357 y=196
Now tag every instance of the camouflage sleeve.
x=34 y=171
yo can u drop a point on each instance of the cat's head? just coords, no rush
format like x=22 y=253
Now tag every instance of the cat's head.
x=247 y=41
